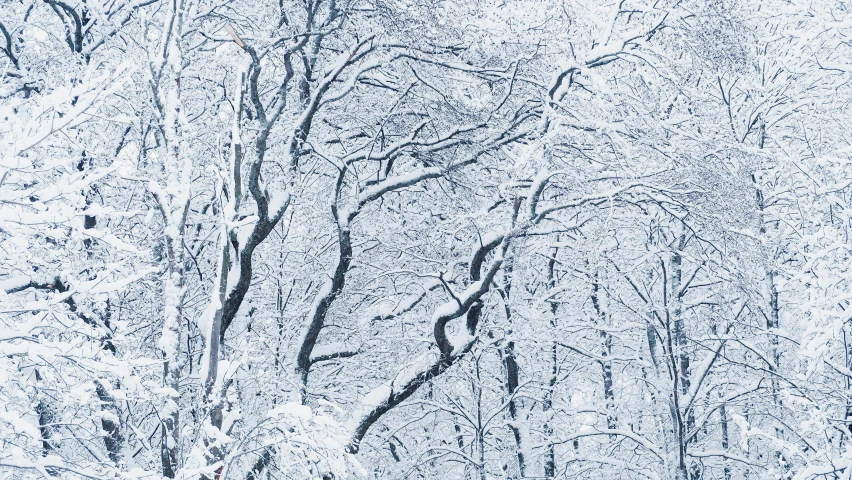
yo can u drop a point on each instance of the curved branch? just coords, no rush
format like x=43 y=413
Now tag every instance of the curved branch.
x=387 y=396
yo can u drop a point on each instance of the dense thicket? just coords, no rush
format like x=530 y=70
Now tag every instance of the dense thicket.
x=425 y=239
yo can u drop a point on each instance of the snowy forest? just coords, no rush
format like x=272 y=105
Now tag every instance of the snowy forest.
x=425 y=239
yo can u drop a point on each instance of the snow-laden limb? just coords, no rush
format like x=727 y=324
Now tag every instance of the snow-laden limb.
x=701 y=372
x=350 y=84
x=383 y=398
x=65 y=186
x=301 y=126
x=457 y=307
x=622 y=465
x=398 y=181
x=343 y=216
x=52 y=464
x=405 y=305
x=173 y=292
x=99 y=285
x=638 y=439
x=720 y=454
x=332 y=351
x=88 y=96
x=108 y=238
x=17 y=283
x=431 y=364
x=205 y=324
x=270 y=203
x=658 y=134
x=538 y=186
x=316 y=317
x=439 y=142
x=608 y=50
x=19 y=425
x=823 y=470
x=449 y=350
x=301 y=442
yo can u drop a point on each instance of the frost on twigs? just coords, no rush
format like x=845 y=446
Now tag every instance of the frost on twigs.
x=464 y=239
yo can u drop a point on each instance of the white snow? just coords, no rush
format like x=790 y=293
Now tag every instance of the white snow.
x=14 y=282
x=378 y=396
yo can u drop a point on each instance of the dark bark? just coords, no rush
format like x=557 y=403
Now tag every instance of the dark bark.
x=261 y=464
x=472 y=308
x=45 y=422
x=547 y=403
x=472 y=305
x=679 y=323
x=9 y=49
x=73 y=24
x=723 y=419
x=510 y=362
x=114 y=440
x=319 y=313
x=169 y=443
x=606 y=351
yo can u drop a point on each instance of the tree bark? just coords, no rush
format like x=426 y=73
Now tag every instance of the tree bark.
x=547 y=402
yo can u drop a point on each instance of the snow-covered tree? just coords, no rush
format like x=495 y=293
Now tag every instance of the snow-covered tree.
x=432 y=239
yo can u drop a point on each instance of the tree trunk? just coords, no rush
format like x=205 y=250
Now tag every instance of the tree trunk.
x=606 y=351
x=723 y=419
x=547 y=403
x=170 y=416
x=510 y=363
